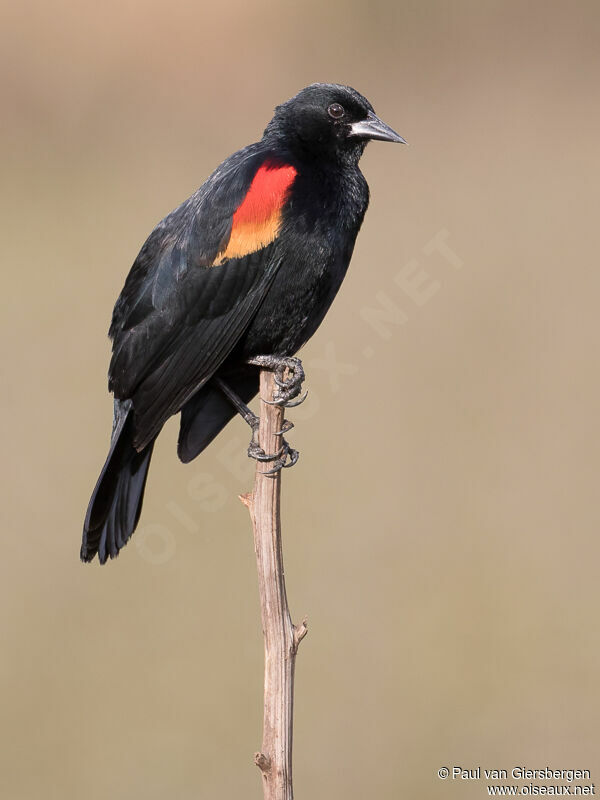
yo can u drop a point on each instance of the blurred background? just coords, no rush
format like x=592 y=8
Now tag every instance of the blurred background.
x=441 y=527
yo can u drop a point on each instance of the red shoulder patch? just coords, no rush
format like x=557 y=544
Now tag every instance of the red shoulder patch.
x=257 y=220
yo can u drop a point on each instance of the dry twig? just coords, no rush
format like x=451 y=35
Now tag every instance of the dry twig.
x=281 y=636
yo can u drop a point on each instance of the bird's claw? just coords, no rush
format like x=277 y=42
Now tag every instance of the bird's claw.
x=286 y=403
x=288 y=375
x=287 y=426
x=279 y=459
x=280 y=463
x=290 y=385
x=256 y=452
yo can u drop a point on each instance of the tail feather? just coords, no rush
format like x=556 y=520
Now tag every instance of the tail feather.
x=116 y=502
x=208 y=412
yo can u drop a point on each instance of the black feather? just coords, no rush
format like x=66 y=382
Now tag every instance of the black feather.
x=116 y=502
x=209 y=411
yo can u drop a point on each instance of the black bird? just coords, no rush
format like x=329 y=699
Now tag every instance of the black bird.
x=237 y=277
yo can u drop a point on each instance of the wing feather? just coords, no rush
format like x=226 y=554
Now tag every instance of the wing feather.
x=193 y=357
x=186 y=301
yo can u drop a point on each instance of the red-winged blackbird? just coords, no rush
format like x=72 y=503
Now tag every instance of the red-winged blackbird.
x=247 y=267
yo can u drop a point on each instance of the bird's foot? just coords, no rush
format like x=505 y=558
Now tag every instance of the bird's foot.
x=279 y=460
x=288 y=374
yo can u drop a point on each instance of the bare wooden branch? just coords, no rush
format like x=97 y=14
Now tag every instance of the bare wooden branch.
x=281 y=637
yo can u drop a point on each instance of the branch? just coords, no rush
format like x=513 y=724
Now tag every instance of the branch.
x=281 y=637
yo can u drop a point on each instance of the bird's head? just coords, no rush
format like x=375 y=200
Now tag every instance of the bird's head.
x=328 y=120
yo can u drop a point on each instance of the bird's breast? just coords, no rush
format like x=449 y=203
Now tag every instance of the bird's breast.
x=314 y=247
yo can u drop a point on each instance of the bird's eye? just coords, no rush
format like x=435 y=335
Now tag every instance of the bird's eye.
x=336 y=111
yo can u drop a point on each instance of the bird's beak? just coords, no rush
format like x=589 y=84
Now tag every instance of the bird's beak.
x=374 y=128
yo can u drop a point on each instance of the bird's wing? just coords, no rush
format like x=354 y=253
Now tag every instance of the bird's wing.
x=195 y=286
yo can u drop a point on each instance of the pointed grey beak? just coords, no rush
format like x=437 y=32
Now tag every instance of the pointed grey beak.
x=374 y=128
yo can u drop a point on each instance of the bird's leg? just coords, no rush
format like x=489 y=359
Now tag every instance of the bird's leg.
x=254 y=449
x=237 y=402
x=290 y=384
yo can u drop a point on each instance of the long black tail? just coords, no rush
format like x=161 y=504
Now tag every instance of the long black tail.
x=116 y=501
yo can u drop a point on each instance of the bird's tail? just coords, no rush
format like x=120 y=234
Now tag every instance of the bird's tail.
x=116 y=501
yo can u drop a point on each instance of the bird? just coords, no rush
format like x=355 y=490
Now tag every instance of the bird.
x=235 y=279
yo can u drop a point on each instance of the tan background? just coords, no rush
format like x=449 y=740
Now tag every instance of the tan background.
x=441 y=528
